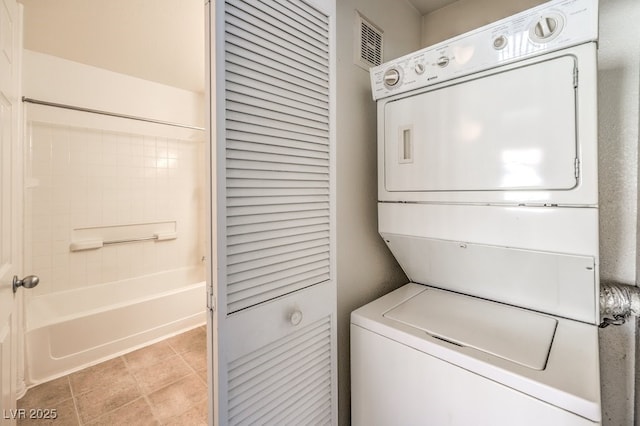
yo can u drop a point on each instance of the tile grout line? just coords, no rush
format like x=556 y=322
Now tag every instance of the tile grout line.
x=73 y=399
x=144 y=394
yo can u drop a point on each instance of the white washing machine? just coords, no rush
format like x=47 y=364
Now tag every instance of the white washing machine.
x=488 y=198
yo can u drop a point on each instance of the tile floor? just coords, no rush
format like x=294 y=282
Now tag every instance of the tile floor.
x=161 y=384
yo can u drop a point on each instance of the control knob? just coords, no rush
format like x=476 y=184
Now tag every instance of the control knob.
x=391 y=77
x=546 y=28
x=442 y=61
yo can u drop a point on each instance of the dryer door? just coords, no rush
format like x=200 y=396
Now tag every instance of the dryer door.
x=512 y=130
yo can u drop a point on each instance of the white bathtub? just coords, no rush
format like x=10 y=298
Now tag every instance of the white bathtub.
x=70 y=330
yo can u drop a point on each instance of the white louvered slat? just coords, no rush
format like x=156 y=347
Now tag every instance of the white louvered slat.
x=283 y=379
x=281 y=108
x=315 y=402
x=276 y=116
x=282 y=27
x=302 y=14
x=288 y=50
x=240 y=83
x=275 y=277
x=273 y=217
x=297 y=24
x=273 y=148
x=252 y=237
x=262 y=245
x=252 y=174
x=264 y=52
x=249 y=127
x=269 y=120
x=279 y=97
x=249 y=257
x=276 y=260
x=257 y=228
x=249 y=278
x=237 y=67
x=263 y=156
x=245 y=135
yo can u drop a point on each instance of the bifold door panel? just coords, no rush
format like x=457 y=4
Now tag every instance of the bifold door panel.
x=454 y=139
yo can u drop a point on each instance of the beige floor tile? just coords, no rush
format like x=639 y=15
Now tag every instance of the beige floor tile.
x=192 y=340
x=178 y=398
x=160 y=374
x=203 y=374
x=46 y=395
x=98 y=376
x=65 y=415
x=112 y=392
x=136 y=413
x=101 y=400
x=196 y=359
x=148 y=356
x=196 y=415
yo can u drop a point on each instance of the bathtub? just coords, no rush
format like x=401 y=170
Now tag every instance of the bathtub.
x=70 y=330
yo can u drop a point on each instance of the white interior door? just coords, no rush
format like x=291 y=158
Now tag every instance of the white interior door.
x=273 y=263
x=10 y=201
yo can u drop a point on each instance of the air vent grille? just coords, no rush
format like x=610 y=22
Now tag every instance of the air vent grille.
x=368 y=40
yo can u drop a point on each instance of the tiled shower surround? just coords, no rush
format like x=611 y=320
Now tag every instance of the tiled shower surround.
x=85 y=178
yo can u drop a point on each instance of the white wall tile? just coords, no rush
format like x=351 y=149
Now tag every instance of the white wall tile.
x=93 y=178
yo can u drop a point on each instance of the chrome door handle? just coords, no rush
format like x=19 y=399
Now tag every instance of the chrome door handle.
x=30 y=281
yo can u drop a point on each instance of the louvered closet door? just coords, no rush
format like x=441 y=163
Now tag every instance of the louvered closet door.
x=273 y=203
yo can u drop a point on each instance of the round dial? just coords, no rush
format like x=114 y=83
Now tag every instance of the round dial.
x=391 y=77
x=442 y=61
x=419 y=68
x=546 y=28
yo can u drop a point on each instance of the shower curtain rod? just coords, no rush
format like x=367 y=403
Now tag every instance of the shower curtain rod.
x=111 y=114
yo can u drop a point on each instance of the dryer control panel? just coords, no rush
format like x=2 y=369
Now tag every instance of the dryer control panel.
x=551 y=26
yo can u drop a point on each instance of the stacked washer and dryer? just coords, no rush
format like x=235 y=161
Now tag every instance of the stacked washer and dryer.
x=488 y=199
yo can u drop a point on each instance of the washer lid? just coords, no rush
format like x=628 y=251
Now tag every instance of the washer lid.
x=514 y=334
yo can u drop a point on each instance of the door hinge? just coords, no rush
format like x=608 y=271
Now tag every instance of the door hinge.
x=576 y=165
x=211 y=304
x=575 y=77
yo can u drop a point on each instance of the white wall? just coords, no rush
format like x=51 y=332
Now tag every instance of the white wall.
x=618 y=71
x=619 y=57
x=157 y=41
x=466 y=15
x=366 y=268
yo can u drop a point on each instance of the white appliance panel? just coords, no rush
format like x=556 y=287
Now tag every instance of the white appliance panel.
x=419 y=389
x=481 y=324
x=554 y=283
x=514 y=130
x=532 y=169
x=550 y=229
x=408 y=376
x=573 y=22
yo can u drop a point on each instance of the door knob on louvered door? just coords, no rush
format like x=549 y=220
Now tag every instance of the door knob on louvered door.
x=295 y=318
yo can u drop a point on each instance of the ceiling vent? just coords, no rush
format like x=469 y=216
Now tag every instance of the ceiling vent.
x=368 y=43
